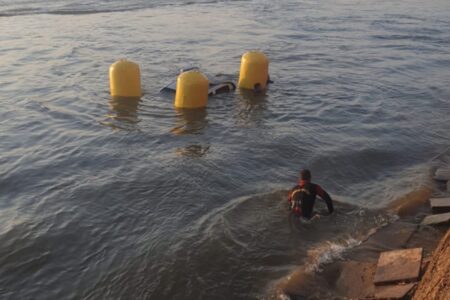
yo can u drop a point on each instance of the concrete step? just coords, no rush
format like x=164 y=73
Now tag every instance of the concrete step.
x=440 y=205
x=398 y=266
x=442 y=174
x=393 y=291
x=436 y=219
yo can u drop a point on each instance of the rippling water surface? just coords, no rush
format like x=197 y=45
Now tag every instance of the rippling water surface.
x=101 y=199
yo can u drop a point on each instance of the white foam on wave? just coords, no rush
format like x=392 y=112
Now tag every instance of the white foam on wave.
x=318 y=256
x=328 y=252
x=284 y=297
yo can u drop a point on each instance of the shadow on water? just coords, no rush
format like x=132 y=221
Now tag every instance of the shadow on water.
x=190 y=121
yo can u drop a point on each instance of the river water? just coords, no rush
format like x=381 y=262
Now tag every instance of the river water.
x=102 y=199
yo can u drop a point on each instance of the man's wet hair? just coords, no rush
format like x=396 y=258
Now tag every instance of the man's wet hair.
x=305 y=174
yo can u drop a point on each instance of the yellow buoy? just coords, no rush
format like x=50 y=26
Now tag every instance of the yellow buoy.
x=254 y=72
x=125 y=79
x=192 y=90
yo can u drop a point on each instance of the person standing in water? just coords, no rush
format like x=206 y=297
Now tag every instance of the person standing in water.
x=302 y=196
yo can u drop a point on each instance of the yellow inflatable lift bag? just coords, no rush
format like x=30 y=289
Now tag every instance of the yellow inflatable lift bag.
x=125 y=79
x=192 y=90
x=254 y=72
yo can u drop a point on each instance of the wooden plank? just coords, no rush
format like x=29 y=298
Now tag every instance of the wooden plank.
x=436 y=219
x=440 y=205
x=398 y=265
x=393 y=291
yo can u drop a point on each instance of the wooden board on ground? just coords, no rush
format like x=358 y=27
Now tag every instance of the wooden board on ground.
x=393 y=291
x=440 y=205
x=398 y=266
x=436 y=219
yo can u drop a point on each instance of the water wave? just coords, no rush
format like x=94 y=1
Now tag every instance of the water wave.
x=66 y=7
x=134 y=199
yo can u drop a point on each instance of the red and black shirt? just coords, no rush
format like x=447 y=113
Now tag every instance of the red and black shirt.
x=304 y=196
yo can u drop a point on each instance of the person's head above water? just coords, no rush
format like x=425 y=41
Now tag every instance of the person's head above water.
x=305 y=174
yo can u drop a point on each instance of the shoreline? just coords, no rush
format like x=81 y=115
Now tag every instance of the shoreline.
x=404 y=259
x=352 y=275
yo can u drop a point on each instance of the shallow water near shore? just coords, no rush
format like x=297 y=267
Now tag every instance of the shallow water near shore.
x=107 y=199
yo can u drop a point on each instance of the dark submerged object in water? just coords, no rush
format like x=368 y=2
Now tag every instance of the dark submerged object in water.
x=214 y=87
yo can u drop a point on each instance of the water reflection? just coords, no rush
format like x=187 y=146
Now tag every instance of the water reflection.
x=251 y=107
x=193 y=150
x=125 y=108
x=123 y=113
x=190 y=121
